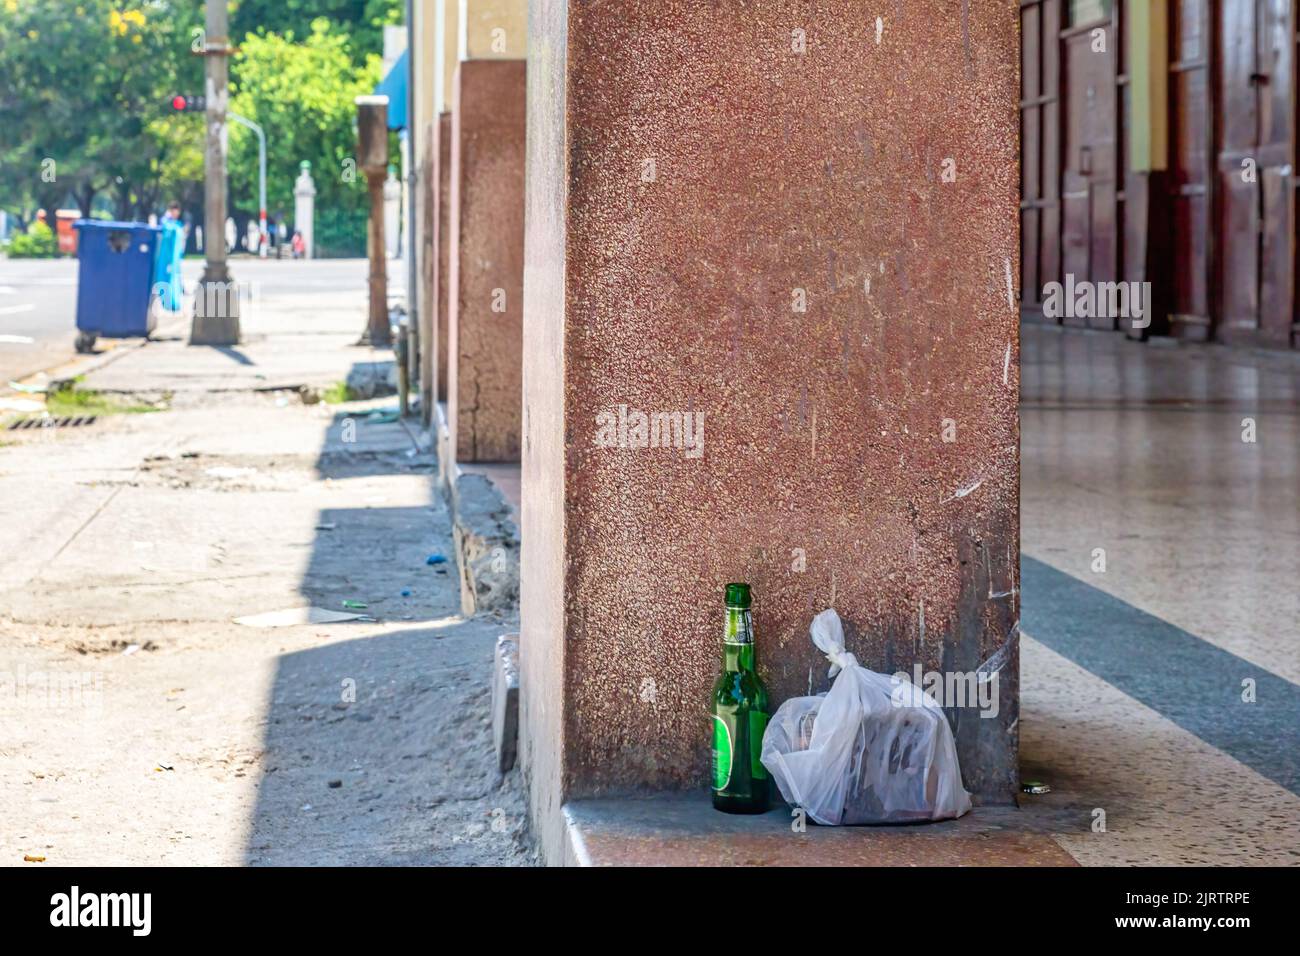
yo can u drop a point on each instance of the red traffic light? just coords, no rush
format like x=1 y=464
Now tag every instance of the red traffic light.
x=178 y=102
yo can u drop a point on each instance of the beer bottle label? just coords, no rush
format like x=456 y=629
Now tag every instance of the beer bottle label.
x=721 y=753
x=743 y=632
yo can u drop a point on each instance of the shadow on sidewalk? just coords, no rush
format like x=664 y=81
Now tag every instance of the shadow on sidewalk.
x=402 y=775
x=378 y=749
x=233 y=354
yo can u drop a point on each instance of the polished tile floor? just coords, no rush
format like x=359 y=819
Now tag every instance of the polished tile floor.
x=1160 y=537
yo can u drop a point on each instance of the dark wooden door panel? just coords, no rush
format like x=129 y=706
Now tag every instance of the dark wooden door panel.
x=1191 y=275
x=1238 y=254
x=1272 y=80
x=1256 y=203
x=1191 y=168
x=1104 y=253
x=1275 y=82
x=1276 y=257
x=1089 y=241
x=1040 y=169
x=1239 y=116
x=1218 y=236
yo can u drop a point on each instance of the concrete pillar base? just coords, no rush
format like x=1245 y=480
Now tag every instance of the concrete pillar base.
x=216 y=313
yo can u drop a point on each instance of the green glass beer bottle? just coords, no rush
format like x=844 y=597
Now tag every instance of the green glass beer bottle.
x=740 y=781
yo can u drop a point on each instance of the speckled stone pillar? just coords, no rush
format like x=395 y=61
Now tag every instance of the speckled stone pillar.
x=787 y=230
x=485 y=256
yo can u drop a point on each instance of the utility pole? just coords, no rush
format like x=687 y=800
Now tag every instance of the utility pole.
x=372 y=157
x=216 y=302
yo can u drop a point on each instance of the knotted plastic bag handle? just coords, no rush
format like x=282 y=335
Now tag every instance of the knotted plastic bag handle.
x=828 y=634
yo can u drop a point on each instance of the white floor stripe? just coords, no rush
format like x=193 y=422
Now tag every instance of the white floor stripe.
x=1166 y=797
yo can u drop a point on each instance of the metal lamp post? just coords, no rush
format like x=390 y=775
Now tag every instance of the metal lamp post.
x=261 y=178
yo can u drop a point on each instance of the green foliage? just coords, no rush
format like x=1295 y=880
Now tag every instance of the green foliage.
x=362 y=20
x=37 y=242
x=176 y=172
x=340 y=233
x=69 y=398
x=85 y=115
x=81 y=81
x=302 y=94
x=338 y=393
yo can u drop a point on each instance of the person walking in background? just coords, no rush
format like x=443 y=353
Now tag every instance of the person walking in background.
x=167 y=265
x=299 y=245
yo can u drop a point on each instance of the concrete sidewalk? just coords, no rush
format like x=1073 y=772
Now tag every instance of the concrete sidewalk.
x=140 y=724
x=297 y=330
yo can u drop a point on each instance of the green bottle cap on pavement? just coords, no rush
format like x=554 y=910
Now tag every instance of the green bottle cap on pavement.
x=738 y=595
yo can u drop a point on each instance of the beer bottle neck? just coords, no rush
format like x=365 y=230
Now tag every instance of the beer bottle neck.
x=738 y=641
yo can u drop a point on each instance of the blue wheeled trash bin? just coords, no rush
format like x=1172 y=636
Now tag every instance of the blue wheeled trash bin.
x=115 y=280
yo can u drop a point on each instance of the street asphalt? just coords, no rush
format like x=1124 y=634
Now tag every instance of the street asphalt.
x=38 y=307
x=38 y=301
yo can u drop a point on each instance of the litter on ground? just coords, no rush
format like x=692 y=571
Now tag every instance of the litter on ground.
x=296 y=615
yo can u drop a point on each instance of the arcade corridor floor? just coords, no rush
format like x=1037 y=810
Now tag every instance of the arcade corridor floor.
x=1160 y=534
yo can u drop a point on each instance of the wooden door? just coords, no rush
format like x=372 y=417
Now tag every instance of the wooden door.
x=1040 y=150
x=1254 y=120
x=1191 y=170
x=1089 y=230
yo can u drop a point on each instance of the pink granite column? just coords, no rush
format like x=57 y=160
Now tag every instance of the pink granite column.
x=794 y=226
x=485 y=253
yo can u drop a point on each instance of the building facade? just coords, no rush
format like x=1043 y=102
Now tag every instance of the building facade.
x=1159 y=142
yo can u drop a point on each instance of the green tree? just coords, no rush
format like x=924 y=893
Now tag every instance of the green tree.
x=302 y=94
x=362 y=20
x=177 y=141
x=84 y=87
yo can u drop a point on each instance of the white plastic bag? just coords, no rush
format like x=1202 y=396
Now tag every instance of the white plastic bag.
x=875 y=749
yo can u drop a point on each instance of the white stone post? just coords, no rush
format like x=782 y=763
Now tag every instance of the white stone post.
x=304 y=208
